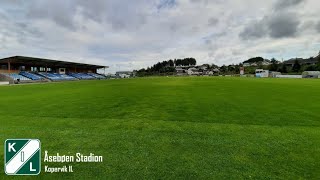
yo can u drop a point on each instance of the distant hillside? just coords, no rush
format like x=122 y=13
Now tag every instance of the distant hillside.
x=254 y=60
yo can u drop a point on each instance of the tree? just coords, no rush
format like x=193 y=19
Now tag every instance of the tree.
x=284 y=68
x=231 y=69
x=311 y=68
x=296 y=66
x=193 y=61
x=224 y=69
x=164 y=63
x=207 y=66
x=254 y=60
x=185 y=62
x=178 y=62
x=213 y=66
x=171 y=63
x=236 y=69
x=274 y=65
x=166 y=67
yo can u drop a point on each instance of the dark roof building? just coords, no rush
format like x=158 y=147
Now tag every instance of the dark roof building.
x=311 y=61
x=22 y=63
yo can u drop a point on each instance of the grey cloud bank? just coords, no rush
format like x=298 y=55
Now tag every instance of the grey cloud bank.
x=134 y=34
x=280 y=25
x=282 y=4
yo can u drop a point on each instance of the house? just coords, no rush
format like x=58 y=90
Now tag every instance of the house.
x=216 y=70
x=265 y=63
x=193 y=71
x=246 y=64
x=203 y=67
x=311 y=61
x=180 y=71
x=262 y=73
x=210 y=73
x=125 y=74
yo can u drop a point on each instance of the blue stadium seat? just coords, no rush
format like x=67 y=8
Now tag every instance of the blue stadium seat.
x=82 y=76
x=16 y=77
x=98 y=76
x=31 y=75
x=56 y=76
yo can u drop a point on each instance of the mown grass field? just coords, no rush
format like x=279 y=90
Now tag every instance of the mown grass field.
x=172 y=128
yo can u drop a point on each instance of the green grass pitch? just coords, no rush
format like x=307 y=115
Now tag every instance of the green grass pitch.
x=172 y=128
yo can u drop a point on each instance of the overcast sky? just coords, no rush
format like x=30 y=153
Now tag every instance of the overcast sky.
x=131 y=34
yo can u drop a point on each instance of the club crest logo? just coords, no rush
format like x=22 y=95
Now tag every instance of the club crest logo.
x=22 y=157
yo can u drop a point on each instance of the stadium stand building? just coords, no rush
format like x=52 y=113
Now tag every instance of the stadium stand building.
x=20 y=69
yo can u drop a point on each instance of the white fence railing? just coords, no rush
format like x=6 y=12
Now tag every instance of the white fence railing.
x=289 y=76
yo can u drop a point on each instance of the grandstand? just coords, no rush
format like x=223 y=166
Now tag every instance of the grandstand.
x=21 y=69
x=31 y=76
x=82 y=76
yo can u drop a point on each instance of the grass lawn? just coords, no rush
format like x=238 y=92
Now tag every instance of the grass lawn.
x=171 y=128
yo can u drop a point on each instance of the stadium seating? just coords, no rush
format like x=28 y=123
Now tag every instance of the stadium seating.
x=82 y=76
x=49 y=76
x=56 y=76
x=98 y=76
x=31 y=75
x=16 y=77
x=64 y=76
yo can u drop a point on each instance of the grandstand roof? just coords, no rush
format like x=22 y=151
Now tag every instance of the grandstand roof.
x=46 y=62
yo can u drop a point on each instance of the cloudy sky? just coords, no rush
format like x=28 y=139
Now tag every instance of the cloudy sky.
x=131 y=34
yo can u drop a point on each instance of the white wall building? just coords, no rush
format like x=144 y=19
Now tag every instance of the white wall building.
x=193 y=71
x=262 y=73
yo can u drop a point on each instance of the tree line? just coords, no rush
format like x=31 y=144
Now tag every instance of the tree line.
x=167 y=67
x=274 y=65
x=282 y=67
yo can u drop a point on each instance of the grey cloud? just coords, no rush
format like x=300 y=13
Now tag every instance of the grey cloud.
x=3 y=17
x=280 y=25
x=120 y=14
x=166 y=4
x=60 y=12
x=214 y=38
x=213 y=21
x=195 y=29
x=207 y=2
x=283 y=25
x=254 y=31
x=208 y=41
x=318 y=27
x=94 y=11
x=24 y=32
x=20 y=32
x=200 y=1
x=308 y=25
x=121 y=17
x=282 y=4
x=174 y=27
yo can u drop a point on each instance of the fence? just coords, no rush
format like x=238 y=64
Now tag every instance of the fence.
x=289 y=76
